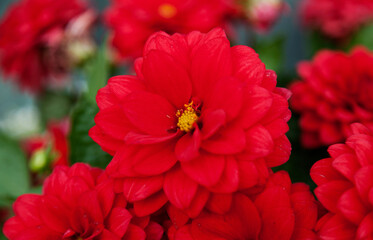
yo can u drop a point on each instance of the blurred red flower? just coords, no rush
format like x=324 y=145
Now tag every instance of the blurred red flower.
x=77 y=203
x=345 y=183
x=279 y=211
x=55 y=139
x=133 y=21
x=336 y=18
x=335 y=91
x=262 y=14
x=35 y=39
x=199 y=117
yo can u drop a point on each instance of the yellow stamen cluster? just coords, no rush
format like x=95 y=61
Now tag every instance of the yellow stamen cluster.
x=186 y=117
x=167 y=10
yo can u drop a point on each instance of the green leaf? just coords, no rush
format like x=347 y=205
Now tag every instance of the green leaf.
x=14 y=175
x=97 y=72
x=363 y=37
x=82 y=147
x=271 y=52
x=54 y=105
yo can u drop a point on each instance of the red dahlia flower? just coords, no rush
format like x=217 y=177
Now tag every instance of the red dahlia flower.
x=77 y=203
x=199 y=117
x=336 y=18
x=133 y=21
x=53 y=142
x=335 y=92
x=345 y=187
x=39 y=39
x=280 y=211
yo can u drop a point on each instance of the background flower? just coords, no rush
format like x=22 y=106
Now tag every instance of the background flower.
x=133 y=21
x=336 y=19
x=34 y=49
x=335 y=91
x=77 y=203
x=345 y=187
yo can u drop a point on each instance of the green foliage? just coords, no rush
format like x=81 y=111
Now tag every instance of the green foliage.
x=54 y=105
x=82 y=147
x=271 y=52
x=363 y=37
x=14 y=176
x=97 y=72
x=318 y=42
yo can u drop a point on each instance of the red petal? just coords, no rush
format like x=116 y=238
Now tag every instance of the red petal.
x=347 y=165
x=54 y=214
x=179 y=188
x=26 y=207
x=365 y=230
x=276 y=213
x=257 y=102
x=198 y=202
x=210 y=62
x=212 y=120
x=259 y=142
x=122 y=86
x=281 y=152
x=363 y=146
x=177 y=216
x=329 y=193
x=105 y=98
x=118 y=221
x=248 y=174
x=205 y=169
x=138 y=138
x=167 y=77
x=174 y=45
x=187 y=147
x=135 y=189
x=277 y=128
x=133 y=160
x=351 y=207
x=228 y=182
x=322 y=172
x=337 y=228
x=279 y=109
x=227 y=94
x=219 y=203
x=154 y=231
x=150 y=113
x=107 y=143
x=13 y=226
x=105 y=194
x=246 y=65
x=134 y=233
x=364 y=181
x=228 y=140
x=150 y=205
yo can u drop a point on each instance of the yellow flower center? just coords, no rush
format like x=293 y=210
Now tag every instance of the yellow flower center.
x=167 y=10
x=187 y=117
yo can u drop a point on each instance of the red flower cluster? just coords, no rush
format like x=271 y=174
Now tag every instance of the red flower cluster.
x=56 y=135
x=200 y=118
x=336 y=18
x=336 y=91
x=33 y=39
x=280 y=211
x=133 y=21
x=77 y=203
x=345 y=187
